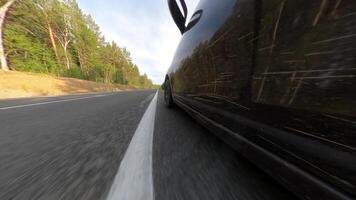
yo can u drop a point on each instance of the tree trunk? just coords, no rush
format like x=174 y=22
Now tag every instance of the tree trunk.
x=51 y=34
x=67 y=58
x=53 y=42
x=106 y=76
x=64 y=42
x=3 y=12
x=81 y=63
x=65 y=49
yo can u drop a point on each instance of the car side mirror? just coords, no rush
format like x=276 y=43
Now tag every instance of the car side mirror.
x=178 y=17
x=194 y=20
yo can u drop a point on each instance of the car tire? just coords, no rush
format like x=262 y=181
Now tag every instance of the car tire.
x=168 y=99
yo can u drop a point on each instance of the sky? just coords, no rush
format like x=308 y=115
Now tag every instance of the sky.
x=144 y=27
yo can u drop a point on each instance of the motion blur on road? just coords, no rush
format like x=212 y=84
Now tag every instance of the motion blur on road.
x=177 y=100
x=71 y=147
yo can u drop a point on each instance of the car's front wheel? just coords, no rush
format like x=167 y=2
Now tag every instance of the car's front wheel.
x=168 y=99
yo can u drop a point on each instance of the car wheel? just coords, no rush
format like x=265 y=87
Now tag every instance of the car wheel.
x=168 y=99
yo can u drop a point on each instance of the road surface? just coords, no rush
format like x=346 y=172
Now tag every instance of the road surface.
x=98 y=146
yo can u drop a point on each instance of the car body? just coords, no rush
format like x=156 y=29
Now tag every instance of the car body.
x=275 y=79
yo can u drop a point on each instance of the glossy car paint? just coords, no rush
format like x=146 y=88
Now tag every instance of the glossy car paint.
x=279 y=77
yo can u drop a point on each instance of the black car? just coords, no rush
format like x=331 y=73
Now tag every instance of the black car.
x=276 y=80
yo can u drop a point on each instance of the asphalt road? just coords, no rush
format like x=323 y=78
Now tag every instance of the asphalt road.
x=71 y=147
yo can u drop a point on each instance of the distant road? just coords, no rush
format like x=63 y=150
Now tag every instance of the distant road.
x=79 y=147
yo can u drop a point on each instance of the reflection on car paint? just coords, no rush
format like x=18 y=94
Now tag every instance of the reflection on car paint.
x=288 y=65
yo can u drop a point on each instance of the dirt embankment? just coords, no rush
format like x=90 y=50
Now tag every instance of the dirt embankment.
x=19 y=84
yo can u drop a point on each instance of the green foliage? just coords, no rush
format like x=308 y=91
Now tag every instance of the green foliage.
x=29 y=54
x=55 y=37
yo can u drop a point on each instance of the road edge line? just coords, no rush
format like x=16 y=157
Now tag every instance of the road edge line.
x=134 y=179
x=51 y=102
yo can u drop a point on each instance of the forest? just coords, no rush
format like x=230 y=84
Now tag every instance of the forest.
x=55 y=37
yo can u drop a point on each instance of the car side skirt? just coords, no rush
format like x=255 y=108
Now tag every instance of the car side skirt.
x=298 y=181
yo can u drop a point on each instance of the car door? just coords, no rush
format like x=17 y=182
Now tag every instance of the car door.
x=304 y=78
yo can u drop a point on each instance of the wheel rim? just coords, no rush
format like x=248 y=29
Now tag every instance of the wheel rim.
x=166 y=95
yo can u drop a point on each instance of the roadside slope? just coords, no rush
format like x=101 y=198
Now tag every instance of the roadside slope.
x=20 y=84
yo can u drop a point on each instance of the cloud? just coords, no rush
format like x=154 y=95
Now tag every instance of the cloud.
x=144 y=27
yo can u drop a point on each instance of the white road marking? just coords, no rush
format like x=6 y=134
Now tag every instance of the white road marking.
x=134 y=178
x=51 y=102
